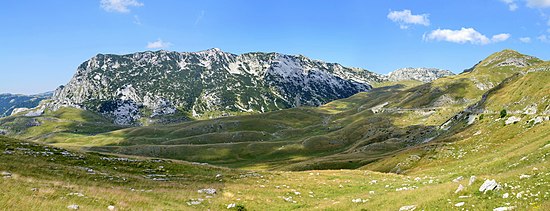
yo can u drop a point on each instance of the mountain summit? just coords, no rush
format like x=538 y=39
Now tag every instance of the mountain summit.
x=205 y=84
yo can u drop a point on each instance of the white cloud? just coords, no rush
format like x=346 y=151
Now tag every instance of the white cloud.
x=500 y=37
x=137 y=21
x=525 y=39
x=543 y=38
x=464 y=35
x=158 y=44
x=512 y=6
x=199 y=18
x=121 y=6
x=406 y=18
x=538 y=3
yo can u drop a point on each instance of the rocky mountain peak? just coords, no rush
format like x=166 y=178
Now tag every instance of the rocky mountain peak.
x=509 y=58
x=207 y=83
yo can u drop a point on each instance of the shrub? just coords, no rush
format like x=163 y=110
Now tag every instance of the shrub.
x=503 y=113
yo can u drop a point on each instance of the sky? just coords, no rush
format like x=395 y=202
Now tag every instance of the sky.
x=42 y=42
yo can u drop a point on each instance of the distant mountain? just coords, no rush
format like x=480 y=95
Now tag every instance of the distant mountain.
x=9 y=102
x=418 y=74
x=204 y=84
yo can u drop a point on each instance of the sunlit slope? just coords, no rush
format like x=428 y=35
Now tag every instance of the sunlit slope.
x=346 y=133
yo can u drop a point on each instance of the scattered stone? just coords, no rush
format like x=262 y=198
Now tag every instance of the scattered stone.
x=232 y=205
x=459 y=189
x=524 y=176
x=73 y=207
x=472 y=180
x=194 y=202
x=459 y=204
x=209 y=191
x=488 y=185
x=76 y=194
x=359 y=200
x=458 y=179
x=34 y=189
x=504 y=208
x=289 y=199
x=519 y=195
x=512 y=120
x=408 y=208
x=505 y=195
x=219 y=176
x=5 y=174
x=111 y=208
x=464 y=197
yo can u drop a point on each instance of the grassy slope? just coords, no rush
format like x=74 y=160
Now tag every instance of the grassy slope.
x=341 y=134
x=487 y=149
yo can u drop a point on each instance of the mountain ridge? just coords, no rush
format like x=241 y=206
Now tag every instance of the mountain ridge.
x=167 y=86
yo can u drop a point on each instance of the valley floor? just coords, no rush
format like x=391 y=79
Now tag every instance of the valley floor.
x=40 y=177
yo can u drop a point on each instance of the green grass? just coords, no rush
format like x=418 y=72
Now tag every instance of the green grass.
x=296 y=145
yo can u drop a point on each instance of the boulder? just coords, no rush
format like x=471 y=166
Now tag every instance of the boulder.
x=489 y=185
x=512 y=120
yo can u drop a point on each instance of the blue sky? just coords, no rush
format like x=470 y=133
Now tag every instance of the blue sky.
x=42 y=42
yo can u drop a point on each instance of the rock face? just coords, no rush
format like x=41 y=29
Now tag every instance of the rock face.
x=149 y=84
x=418 y=74
x=11 y=103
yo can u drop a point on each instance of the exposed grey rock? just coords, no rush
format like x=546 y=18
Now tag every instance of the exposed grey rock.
x=418 y=74
x=488 y=185
x=504 y=208
x=210 y=191
x=472 y=180
x=459 y=189
x=408 y=208
x=512 y=120
x=73 y=207
x=458 y=179
x=159 y=83
x=517 y=62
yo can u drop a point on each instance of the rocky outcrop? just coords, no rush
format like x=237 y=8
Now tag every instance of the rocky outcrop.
x=211 y=82
x=418 y=74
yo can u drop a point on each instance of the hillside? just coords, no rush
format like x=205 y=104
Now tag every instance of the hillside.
x=148 y=86
x=164 y=87
x=9 y=102
x=38 y=176
x=347 y=133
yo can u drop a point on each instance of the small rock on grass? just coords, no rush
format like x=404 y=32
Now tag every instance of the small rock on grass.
x=73 y=207
x=408 y=208
x=504 y=208
x=459 y=189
